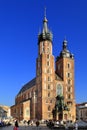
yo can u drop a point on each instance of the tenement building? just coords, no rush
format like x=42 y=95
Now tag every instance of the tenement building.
x=37 y=98
x=81 y=111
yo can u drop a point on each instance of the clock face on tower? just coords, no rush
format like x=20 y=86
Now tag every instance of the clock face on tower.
x=59 y=89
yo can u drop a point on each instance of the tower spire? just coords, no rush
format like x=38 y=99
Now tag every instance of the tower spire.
x=46 y=33
x=45 y=28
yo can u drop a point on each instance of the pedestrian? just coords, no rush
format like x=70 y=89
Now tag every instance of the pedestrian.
x=16 y=123
x=28 y=122
x=37 y=123
x=76 y=126
x=16 y=126
x=66 y=126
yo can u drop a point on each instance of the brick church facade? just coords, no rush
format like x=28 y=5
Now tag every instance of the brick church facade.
x=36 y=99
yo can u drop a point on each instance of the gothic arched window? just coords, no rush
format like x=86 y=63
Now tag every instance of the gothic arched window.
x=59 y=89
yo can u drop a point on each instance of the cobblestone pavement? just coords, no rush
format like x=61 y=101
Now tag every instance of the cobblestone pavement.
x=25 y=128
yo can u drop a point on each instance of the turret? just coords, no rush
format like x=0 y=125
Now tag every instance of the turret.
x=65 y=52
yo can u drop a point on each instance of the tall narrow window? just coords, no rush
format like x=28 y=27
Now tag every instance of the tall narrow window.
x=69 y=81
x=69 y=96
x=48 y=70
x=68 y=65
x=68 y=74
x=48 y=56
x=48 y=78
x=48 y=86
x=49 y=94
x=48 y=63
x=49 y=108
x=48 y=50
x=69 y=89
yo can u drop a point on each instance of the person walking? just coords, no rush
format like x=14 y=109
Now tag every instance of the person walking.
x=37 y=123
x=76 y=126
x=16 y=125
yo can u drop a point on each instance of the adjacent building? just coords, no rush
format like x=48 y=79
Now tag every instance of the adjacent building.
x=81 y=111
x=36 y=99
x=4 y=112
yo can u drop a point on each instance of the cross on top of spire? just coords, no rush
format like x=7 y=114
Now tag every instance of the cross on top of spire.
x=45 y=19
x=45 y=12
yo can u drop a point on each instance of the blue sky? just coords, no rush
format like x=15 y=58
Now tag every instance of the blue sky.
x=20 y=22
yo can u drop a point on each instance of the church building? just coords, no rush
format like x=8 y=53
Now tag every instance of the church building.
x=37 y=98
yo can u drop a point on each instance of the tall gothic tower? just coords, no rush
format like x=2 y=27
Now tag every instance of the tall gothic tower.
x=65 y=70
x=45 y=74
